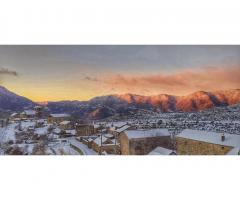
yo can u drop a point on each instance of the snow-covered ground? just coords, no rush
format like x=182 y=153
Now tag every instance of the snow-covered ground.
x=8 y=133
x=62 y=148
x=82 y=147
x=34 y=135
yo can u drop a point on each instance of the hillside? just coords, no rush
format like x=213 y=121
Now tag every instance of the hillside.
x=13 y=102
x=127 y=103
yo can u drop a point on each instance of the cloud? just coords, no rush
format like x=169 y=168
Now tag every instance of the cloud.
x=89 y=78
x=179 y=83
x=5 y=71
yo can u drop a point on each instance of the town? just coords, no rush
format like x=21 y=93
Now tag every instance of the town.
x=35 y=132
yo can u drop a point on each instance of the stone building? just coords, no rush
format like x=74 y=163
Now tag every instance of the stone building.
x=28 y=114
x=195 y=142
x=14 y=116
x=39 y=111
x=58 y=118
x=65 y=125
x=142 y=142
x=85 y=129
x=105 y=143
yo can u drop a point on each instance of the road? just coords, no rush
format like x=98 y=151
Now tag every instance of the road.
x=82 y=147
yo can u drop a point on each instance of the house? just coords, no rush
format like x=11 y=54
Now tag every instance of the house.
x=118 y=131
x=39 y=111
x=65 y=125
x=142 y=142
x=87 y=140
x=111 y=127
x=57 y=131
x=28 y=114
x=40 y=123
x=105 y=143
x=122 y=129
x=71 y=132
x=97 y=127
x=85 y=129
x=195 y=142
x=14 y=116
x=162 y=151
x=58 y=118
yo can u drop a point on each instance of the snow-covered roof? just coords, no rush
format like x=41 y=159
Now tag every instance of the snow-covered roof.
x=116 y=124
x=112 y=128
x=234 y=151
x=108 y=135
x=40 y=120
x=14 y=114
x=98 y=140
x=59 y=115
x=160 y=151
x=231 y=140
x=29 y=112
x=41 y=131
x=27 y=124
x=57 y=130
x=73 y=131
x=90 y=139
x=119 y=124
x=125 y=127
x=131 y=134
x=37 y=107
x=96 y=125
x=65 y=122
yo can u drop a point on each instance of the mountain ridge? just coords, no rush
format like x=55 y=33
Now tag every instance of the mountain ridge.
x=126 y=103
x=13 y=102
x=108 y=105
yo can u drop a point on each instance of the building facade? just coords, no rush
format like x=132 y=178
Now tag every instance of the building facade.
x=58 y=118
x=85 y=129
x=142 y=142
x=194 y=142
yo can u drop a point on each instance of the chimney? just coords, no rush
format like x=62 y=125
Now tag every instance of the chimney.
x=223 y=137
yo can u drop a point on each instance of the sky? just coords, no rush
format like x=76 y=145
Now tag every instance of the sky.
x=54 y=73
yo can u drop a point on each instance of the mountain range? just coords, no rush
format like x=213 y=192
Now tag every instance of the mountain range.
x=105 y=106
x=13 y=102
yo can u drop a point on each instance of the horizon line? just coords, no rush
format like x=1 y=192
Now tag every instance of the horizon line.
x=119 y=94
x=122 y=94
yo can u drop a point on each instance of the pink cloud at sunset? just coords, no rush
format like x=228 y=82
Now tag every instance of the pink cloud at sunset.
x=178 y=83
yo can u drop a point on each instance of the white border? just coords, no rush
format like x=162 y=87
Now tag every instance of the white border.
x=119 y=22
x=113 y=177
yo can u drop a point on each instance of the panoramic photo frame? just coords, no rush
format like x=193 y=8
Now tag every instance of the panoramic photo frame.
x=119 y=100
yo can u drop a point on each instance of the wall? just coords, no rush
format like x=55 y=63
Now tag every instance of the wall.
x=57 y=120
x=142 y=146
x=193 y=147
x=85 y=130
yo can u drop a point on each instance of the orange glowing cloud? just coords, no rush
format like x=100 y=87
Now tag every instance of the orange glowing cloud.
x=177 y=83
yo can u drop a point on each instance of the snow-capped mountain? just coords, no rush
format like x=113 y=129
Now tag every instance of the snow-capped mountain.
x=128 y=103
x=13 y=102
x=106 y=106
x=193 y=102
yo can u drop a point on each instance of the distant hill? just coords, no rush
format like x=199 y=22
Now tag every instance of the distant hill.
x=107 y=106
x=104 y=106
x=13 y=102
